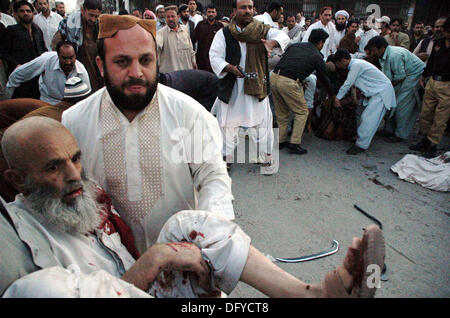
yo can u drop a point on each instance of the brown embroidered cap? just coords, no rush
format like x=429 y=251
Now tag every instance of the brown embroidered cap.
x=110 y=24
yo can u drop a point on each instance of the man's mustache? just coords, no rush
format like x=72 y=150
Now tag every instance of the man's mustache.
x=135 y=81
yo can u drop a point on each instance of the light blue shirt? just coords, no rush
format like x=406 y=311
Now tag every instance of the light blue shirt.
x=160 y=25
x=365 y=37
x=369 y=80
x=52 y=80
x=398 y=63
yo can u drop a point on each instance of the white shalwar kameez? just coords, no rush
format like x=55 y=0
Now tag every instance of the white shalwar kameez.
x=329 y=47
x=339 y=36
x=242 y=110
x=168 y=159
x=379 y=97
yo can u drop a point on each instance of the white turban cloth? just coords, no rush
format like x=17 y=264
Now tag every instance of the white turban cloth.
x=342 y=12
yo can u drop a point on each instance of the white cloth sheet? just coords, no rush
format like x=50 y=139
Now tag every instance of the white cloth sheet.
x=432 y=173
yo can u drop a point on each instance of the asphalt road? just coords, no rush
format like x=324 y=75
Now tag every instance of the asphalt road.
x=309 y=203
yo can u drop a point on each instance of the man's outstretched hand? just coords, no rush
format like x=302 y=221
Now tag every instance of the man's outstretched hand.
x=269 y=45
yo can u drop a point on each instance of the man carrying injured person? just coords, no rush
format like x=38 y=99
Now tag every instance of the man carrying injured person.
x=69 y=222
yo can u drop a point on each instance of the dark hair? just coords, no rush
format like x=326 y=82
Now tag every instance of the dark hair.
x=418 y=22
x=340 y=55
x=211 y=6
x=317 y=35
x=350 y=22
x=399 y=20
x=323 y=9
x=101 y=49
x=183 y=7
x=377 y=41
x=274 y=5
x=123 y=12
x=288 y=15
x=18 y=4
x=64 y=43
x=4 y=5
x=446 y=25
x=92 y=5
x=174 y=8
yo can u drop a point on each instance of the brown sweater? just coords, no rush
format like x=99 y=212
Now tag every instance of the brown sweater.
x=349 y=42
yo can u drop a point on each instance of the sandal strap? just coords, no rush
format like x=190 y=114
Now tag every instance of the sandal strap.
x=334 y=287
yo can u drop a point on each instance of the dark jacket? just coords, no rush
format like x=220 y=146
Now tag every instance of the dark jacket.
x=200 y=85
x=17 y=47
x=300 y=60
x=204 y=35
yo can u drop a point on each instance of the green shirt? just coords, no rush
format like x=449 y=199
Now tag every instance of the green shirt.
x=398 y=63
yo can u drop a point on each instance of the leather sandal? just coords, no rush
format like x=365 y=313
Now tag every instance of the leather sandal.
x=371 y=251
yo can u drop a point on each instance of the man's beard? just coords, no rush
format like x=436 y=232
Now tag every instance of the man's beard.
x=172 y=24
x=78 y=217
x=340 y=26
x=131 y=102
x=26 y=20
x=184 y=18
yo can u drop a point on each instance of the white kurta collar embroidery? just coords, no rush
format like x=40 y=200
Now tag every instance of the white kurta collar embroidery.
x=132 y=158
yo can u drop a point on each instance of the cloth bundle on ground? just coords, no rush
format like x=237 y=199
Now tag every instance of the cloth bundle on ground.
x=432 y=173
x=336 y=123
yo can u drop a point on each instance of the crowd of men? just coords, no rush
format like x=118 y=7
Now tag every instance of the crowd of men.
x=131 y=97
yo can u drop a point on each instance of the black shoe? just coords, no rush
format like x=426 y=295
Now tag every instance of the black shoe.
x=354 y=150
x=430 y=151
x=293 y=148
x=421 y=145
x=281 y=145
x=393 y=139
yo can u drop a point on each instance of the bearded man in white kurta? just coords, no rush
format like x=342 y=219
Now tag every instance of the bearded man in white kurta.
x=325 y=24
x=341 y=24
x=242 y=101
x=154 y=149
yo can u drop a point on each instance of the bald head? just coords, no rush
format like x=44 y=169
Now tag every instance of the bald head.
x=22 y=139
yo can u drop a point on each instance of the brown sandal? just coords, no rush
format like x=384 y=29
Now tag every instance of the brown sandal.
x=371 y=251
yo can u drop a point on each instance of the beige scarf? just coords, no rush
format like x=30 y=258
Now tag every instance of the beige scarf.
x=255 y=83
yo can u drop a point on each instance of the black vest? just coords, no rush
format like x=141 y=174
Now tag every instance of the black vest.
x=233 y=57
x=424 y=45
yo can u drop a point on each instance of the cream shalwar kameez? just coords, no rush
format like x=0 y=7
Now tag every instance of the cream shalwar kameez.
x=150 y=166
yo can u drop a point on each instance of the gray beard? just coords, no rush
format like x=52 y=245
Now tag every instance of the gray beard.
x=78 y=217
